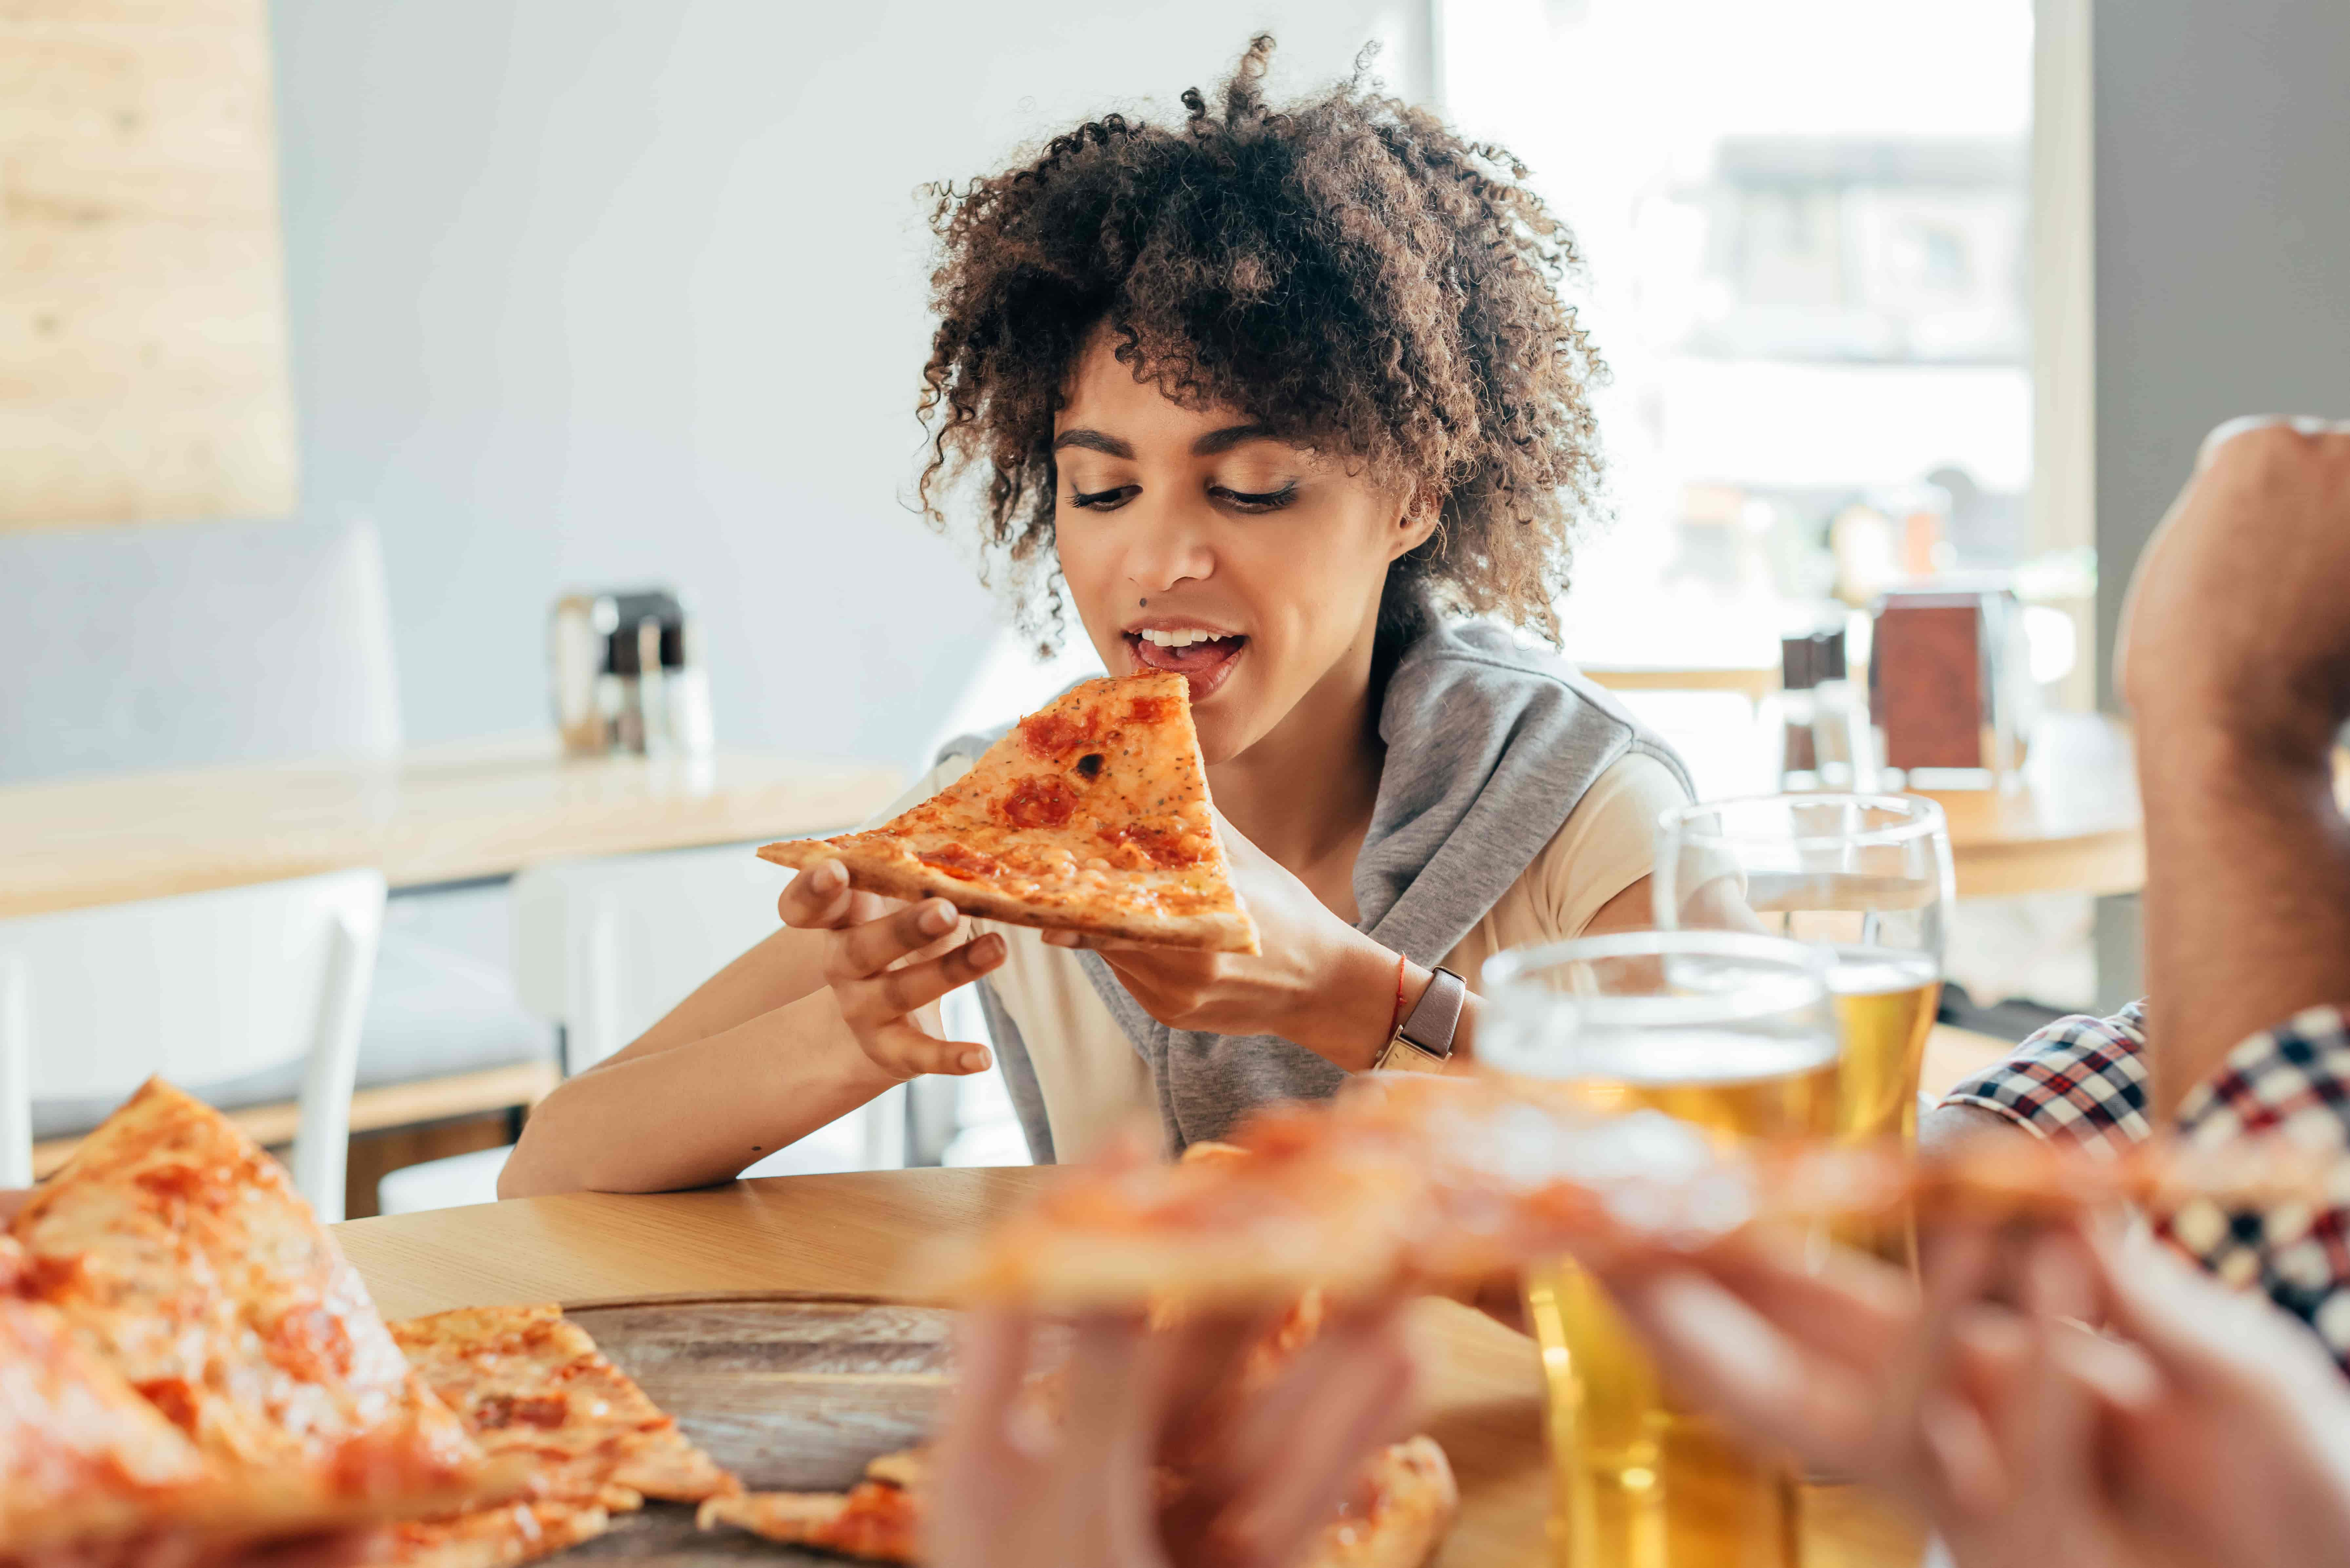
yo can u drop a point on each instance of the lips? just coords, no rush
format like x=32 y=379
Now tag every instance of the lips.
x=1205 y=665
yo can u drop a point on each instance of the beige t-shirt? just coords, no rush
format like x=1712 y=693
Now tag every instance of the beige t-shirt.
x=1092 y=1078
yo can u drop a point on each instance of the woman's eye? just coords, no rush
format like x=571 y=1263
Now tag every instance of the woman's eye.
x=1254 y=501
x=1101 y=500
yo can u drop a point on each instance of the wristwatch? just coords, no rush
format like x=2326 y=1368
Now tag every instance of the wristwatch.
x=1422 y=1042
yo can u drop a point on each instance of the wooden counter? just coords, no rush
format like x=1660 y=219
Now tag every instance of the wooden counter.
x=851 y=1235
x=441 y=814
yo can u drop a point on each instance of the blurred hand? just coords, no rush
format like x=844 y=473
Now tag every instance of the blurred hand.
x=1317 y=981
x=2205 y=1429
x=2237 y=616
x=1013 y=1489
x=885 y=960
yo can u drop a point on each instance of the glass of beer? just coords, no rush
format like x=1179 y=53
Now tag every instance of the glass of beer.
x=1731 y=1034
x=1866 y=880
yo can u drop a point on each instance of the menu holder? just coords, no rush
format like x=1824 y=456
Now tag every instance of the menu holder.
x=1939 y=687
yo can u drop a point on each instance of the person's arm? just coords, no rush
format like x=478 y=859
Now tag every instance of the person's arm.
x=2236 y=664
x=2079 y=1078
x=803 y=1029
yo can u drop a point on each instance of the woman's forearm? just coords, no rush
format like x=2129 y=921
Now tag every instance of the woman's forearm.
x=695 y=1113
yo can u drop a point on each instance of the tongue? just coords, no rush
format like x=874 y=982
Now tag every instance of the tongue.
x=1187 y=661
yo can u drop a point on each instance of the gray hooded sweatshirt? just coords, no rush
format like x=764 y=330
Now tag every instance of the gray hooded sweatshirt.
x=1489 y=748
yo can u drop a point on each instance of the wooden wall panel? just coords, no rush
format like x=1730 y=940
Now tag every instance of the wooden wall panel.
x=142 y=317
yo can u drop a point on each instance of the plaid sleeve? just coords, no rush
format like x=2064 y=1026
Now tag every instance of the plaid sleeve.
x=2292 y=1082
x=2081 y=1078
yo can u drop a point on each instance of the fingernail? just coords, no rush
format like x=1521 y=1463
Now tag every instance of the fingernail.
x=991 y=949
x=938 y=918
x=831 y=874
x=972 y=1061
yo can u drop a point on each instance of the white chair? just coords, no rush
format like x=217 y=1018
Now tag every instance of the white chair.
x=605 y=947
x=202 y=988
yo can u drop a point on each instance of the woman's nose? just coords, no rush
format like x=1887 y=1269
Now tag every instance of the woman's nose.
x=1168 y=543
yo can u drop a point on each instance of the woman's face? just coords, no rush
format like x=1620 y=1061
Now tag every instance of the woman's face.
x=1195 y=541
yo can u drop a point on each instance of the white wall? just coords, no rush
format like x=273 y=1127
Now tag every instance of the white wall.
x=586 y=292
x=2222 y=242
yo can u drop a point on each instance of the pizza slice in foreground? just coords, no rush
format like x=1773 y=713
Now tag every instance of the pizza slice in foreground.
x=1420 y=1182
x=531 y=1385
x=1394 y=1516
x=179 y=1256
x=83 y=1459
x=1090 y=815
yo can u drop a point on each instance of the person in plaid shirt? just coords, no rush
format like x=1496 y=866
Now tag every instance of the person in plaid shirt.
x=2201 y=1425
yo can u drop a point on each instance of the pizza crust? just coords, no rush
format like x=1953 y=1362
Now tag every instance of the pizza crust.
x=901 y=876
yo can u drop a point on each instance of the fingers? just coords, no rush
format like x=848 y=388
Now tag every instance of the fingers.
x=895 y=992
x=900 y=1047
x=819 y=898
x=869 y=947
x=1717 y=1350
x=1300 y=1446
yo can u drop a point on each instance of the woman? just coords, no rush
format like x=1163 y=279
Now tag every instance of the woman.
x=1272 y=399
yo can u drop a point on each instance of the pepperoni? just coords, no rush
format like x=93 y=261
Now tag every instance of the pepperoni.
x=1046 y=800
x=542 y=1410
x=961 y=860
x=1160 y=844
x=312 y=1345
x=176 y=1397
x=1051 y=735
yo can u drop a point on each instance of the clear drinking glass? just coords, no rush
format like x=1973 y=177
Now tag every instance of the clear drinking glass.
x=1866 y=878
x=1731 y=1033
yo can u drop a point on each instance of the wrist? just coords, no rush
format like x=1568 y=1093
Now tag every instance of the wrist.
x=1352 y=1012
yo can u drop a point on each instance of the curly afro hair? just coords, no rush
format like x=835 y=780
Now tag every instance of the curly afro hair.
x=1347 y=269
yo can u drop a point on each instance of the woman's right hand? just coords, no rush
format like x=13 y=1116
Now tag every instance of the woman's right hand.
x=884 y=961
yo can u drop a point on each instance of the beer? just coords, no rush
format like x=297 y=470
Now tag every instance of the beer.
x=1640 y=1482
x=1885 y=1002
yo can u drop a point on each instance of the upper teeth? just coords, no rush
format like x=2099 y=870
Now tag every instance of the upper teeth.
x=1182 y=639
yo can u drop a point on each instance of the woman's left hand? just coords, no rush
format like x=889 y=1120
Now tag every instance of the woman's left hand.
x=1317 y=980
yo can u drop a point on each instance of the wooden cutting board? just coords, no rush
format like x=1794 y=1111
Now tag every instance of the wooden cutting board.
x=792 y=1394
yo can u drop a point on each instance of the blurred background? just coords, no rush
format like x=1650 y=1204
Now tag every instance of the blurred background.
x=461 y=443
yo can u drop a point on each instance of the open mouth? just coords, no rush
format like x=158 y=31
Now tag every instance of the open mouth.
x=1203 y=658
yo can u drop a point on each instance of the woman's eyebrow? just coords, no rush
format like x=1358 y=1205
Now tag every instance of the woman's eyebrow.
x=1230 y=436
x=1093 y=441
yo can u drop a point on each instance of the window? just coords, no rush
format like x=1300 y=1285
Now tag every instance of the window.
x=1807 y=231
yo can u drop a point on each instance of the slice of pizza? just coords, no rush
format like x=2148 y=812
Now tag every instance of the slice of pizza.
x=497 y=1537
x=1413 y=1181
x=1394 y=1516
x=877 y=1520
x=82 y=1457
x=529 y=1382
x=180 y=1256
x=1090 y=815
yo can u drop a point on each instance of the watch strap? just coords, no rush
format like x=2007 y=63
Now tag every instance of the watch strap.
x=1423 y=1041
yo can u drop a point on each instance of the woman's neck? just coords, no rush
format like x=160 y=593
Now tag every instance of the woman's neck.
x=1304 y=794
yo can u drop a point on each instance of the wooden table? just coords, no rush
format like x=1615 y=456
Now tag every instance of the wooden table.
x=2070 y=824
x=851 y=1235
x=441 y=814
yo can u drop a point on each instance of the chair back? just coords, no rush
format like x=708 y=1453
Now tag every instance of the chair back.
x=179 y=645
x=200 y=989
x=605 y=947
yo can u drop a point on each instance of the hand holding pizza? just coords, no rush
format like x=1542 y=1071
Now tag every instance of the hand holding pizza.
x=1094 y=1493
x=1317 y=981
x=885 y=960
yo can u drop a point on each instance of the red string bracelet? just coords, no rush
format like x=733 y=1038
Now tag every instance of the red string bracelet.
x=1397 y=1021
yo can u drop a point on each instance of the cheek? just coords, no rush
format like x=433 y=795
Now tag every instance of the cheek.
x=1089 y=576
